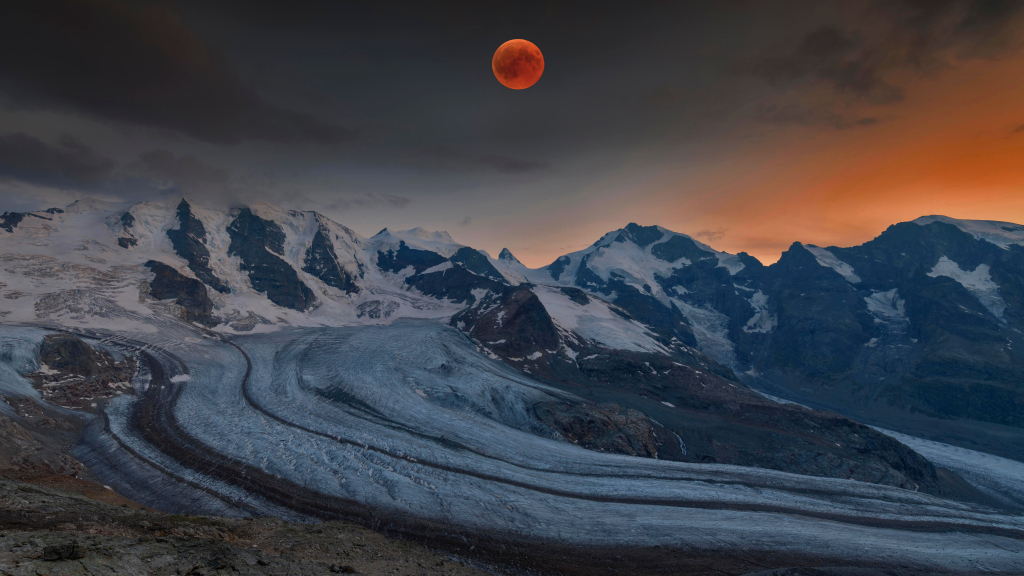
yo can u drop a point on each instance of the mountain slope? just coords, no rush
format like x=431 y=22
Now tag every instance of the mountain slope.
x=916 y=327
x=919 y=327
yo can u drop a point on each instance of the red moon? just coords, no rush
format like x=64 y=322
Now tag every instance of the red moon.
x=518 y=64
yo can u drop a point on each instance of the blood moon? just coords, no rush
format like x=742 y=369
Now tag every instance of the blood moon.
x=518 y=64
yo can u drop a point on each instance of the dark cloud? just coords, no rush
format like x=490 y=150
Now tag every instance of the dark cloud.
x=68 y=165
x=369 y=200
x=837 y=58
x=507 y=165
x=185 y=171
x=811 y=112
x=712 y=235
x=1019 y=129
x=456 y=159
x=467 y=220
x=139 y=64
x=858 y=62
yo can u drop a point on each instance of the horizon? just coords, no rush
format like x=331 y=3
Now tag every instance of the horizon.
x=493 y=253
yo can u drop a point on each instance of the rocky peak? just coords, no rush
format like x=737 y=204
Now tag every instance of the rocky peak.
x=507 y=256
x=189 y=242
x=258 y=242
x=642 y=236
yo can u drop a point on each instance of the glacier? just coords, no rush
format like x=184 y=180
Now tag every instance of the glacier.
x=410 y=423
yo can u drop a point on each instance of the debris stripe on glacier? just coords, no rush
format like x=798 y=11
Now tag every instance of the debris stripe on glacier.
x=331 y=420
x=473 y=502
x=524 y=502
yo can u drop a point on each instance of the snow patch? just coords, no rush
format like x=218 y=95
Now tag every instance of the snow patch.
x=711 y=329
x=886 y=305
x=596 y=321
x=730 y=262
x=978 y=282
x=829 y=260
x=762 y=321
x=1002 y=234
x=439 y=268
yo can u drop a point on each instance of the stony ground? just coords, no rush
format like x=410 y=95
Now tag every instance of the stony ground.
x=47 y=531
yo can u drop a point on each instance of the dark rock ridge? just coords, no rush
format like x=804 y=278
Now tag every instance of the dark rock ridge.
x=640 y=235
x=189 y=242
x=892 y=340
x=507 y=256
x=899 y=344
x=188 y=293
x=322 y=262
x=73 y=374
x=678 y=247
x=456 y=284
x=10 y=220
x=699 y=409
x=556 y=268
x=398 y=260
x=35 y=440
x=469 y=271
x=604 y=428
x=259 y=244
x=127 y=238
x=476 y=263
x=667 y=321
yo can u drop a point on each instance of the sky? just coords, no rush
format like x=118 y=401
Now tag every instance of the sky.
x=747 y=124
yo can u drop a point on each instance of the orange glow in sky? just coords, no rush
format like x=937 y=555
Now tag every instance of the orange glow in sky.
x=955 y=147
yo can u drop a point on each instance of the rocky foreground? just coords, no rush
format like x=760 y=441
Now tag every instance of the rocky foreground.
x=45 y=530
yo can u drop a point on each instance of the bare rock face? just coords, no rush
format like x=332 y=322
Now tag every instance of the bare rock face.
x=188 y=293
x=683 y=407
x=605 y=428
x=189 y=242
x=73 y=374
x=259 y=244
x=26 y=456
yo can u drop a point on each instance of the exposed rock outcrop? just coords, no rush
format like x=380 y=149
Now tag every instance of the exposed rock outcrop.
x=73 y=374
x=23 y=456
x=50 y=531
x=700 y=411
x=604 y=428
x=188 y=293
x=189 y=242
x=10 y=220
x=322 y=261
x=259 y=244
x=456 y=279
x=127 y=238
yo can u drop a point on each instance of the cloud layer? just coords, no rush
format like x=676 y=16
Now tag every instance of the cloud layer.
x=138 y=64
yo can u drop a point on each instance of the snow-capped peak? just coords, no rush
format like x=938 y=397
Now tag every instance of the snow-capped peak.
x=507 y=256
x=1002 y=234
x=86 y=205
x=419 y=239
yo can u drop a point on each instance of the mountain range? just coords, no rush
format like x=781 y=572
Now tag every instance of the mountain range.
x=255 y=360
x=917 y=330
